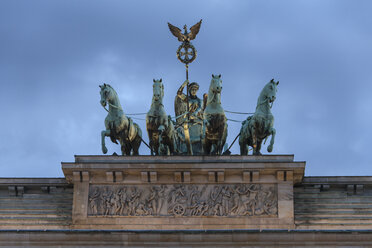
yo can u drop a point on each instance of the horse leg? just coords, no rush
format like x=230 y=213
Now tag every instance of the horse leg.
x=151 y=142
x=162 y=147
x=214 y=149
x=219 y=147
x=137 y=141
x=258 y=149
x=126 y=148
x=103 y=135
x=254 y=141
x=172 y=146
x=272 y=140
x=122 y=147
x=136 y=144
x=243 y=144
x=204 y=145
x=222 y=141
x=207 y=147
x=243 y=148
x=155 y=145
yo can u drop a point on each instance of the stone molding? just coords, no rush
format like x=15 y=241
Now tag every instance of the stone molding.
x=183 y=192
x=201 y=238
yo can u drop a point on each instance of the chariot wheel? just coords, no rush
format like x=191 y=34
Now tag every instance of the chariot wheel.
x=178 y=210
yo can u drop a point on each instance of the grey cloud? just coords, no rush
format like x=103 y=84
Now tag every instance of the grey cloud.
x=54 y=54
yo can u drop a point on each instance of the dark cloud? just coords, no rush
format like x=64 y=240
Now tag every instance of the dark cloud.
x=53 y=56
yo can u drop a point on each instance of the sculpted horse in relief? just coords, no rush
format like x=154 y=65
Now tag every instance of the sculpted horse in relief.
x=118 y=126
x=159 y=126
x=258 y=127
x=214 y=120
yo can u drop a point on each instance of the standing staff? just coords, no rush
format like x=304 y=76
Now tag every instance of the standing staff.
x=186 y=53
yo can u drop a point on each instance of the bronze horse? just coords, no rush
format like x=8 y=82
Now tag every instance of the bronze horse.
x=159 y=126
x=214 y=120
x=118 y=126
x=258 y=127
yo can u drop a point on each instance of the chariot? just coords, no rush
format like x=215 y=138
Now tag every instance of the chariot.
x=176 y=135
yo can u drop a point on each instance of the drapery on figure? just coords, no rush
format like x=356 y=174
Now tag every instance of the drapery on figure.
x=195 y=103
x=195 y=113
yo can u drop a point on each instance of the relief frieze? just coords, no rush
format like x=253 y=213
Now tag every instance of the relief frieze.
x=192 y=200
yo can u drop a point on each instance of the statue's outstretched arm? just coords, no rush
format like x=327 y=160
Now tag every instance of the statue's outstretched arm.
x=180 y=90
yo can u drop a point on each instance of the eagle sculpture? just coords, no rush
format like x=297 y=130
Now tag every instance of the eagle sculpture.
x=194 y=30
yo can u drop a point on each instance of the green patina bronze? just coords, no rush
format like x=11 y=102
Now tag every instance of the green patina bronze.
x=186 y=53
x=195 y=122
x=258 y=127
x=214 y=119
x=200 y=126
x=118 y=126
x=160 y=126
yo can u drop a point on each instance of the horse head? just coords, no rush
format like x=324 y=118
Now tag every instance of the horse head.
x=215 y=89
x=268 y=94
x=216 y=84
x=158 y=91
x=106 y=94
x=214 y=119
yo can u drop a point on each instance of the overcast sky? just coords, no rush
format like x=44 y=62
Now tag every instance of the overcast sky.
x=54 y=54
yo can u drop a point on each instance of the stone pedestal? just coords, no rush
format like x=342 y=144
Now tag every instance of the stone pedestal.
x=183 y=192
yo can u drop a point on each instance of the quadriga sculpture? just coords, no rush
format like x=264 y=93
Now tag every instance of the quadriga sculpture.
x=118 y=126
x=258 y=127
x=159 y=126
x=214 y=120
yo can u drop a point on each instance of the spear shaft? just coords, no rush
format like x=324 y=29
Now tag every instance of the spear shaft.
x=185 y=125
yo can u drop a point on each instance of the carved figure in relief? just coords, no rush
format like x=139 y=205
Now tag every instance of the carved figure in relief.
x=203 y=209
x=235 y=198
x=106 y=199
x=162 y=196
x=123 y=201
x=178 y=194
x=177 y=201
x=199 y=209
x=142 y=210
x=251 y=202
x=195 y=194
x=134 y=200
x=94 y=201
x=218 y=210
x=216 y=198
x=183 y=200
x=226 y=195
x=269 y=205
x=197 y=206
x=154 y=200
x=117 y=202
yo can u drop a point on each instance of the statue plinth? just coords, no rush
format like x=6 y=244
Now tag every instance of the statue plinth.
x=183 y=192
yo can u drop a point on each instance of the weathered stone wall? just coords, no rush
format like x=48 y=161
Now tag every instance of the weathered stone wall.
x=209 y=239
x=183 y=192
x=329 y=203
x=212 y=203
x=35 y=203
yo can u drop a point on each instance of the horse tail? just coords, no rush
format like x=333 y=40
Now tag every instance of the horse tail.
x=139 y=131
x=135 y=141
